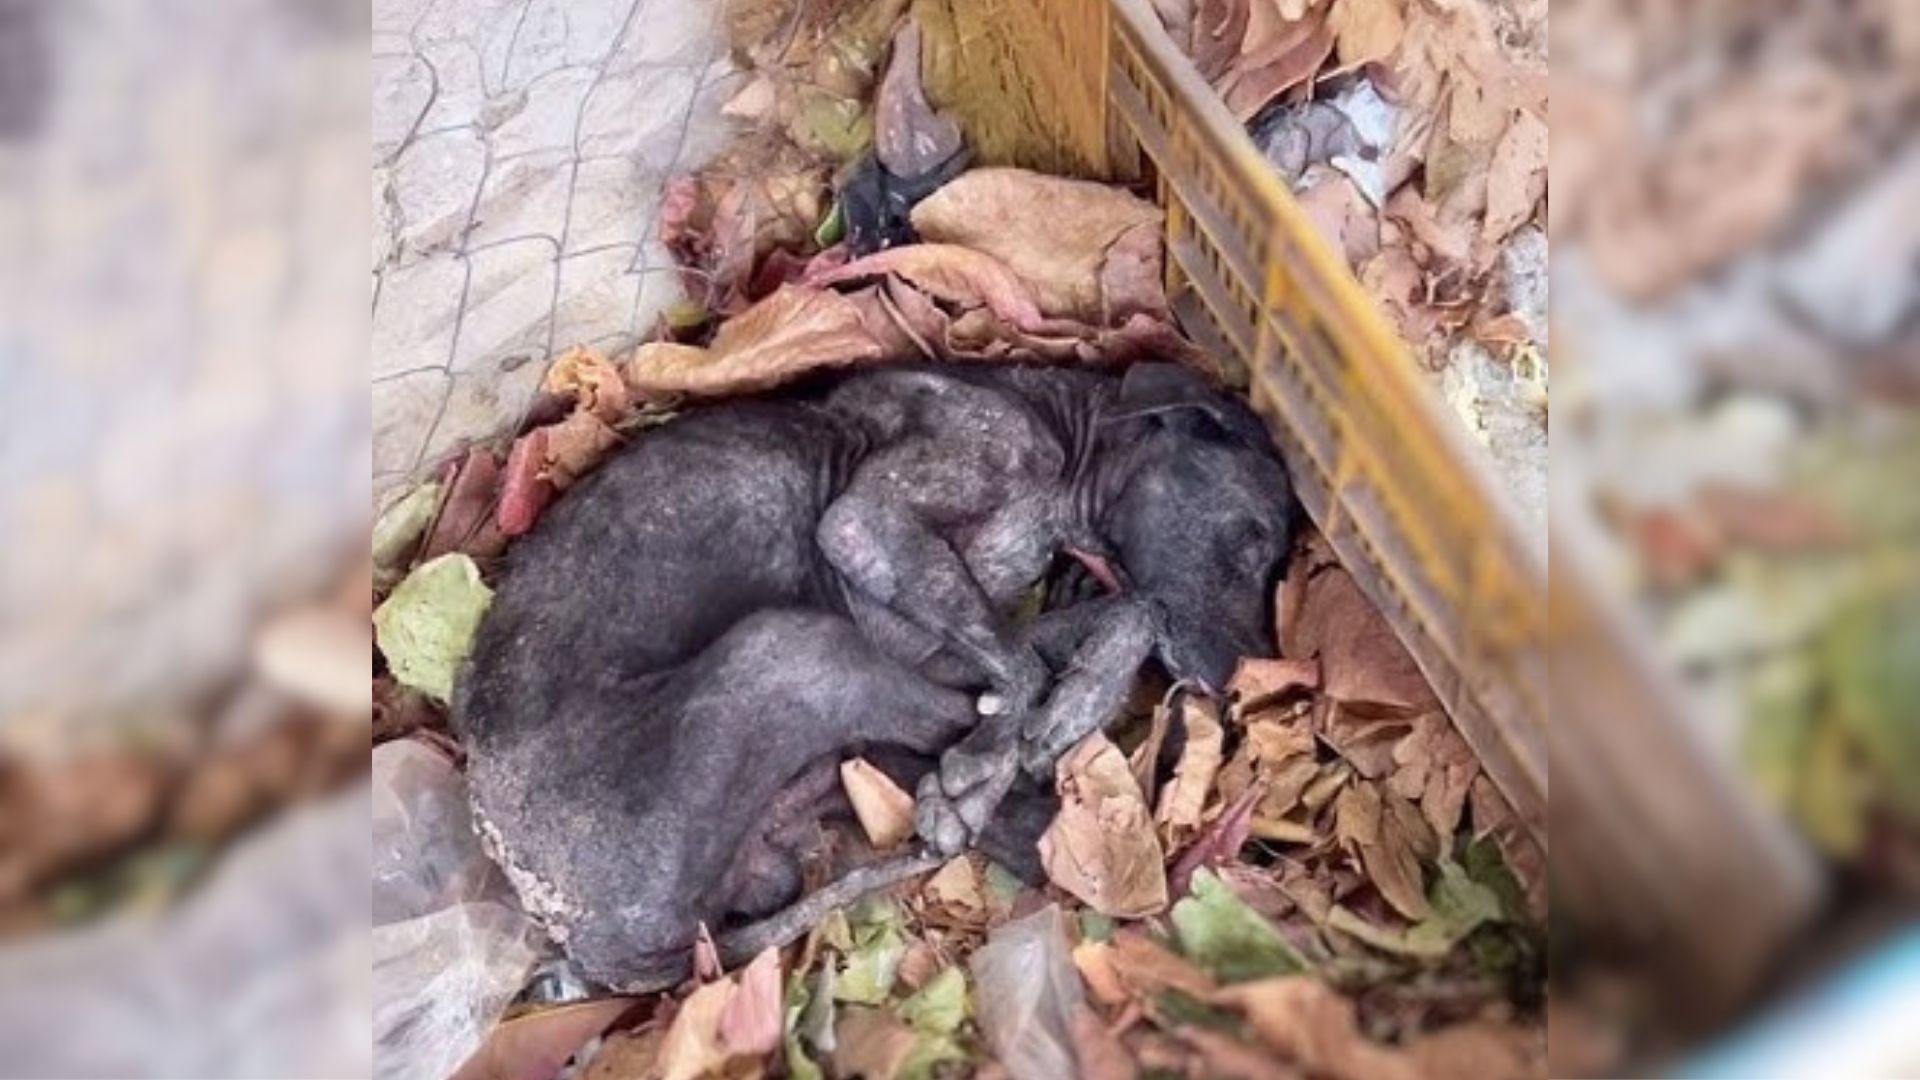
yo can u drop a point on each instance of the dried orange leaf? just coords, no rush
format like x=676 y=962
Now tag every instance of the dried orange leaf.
x=591 y=381
x=1101 y=847
x=753 y=1020
x=1366 y=30
x=885 y=811
x=693 y=1047
x=1258 y=681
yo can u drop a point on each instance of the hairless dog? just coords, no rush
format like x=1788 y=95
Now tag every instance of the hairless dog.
x=761 y=586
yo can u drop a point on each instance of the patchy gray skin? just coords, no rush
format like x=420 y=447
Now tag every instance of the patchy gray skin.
x=689 y=640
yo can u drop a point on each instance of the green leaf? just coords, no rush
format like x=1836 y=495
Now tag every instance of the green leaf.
x=1095 y=926
x=833 y=227
x=868 y=969
x=1460 y=905
x=941 y=1006
x=1003 y=883
x=929 y=1053
x=426 y=626
x=1485 y=865
x=1218 y=931
x=800 y=1064
x=402 y=526
x=1177 y=1009
x=841 y=127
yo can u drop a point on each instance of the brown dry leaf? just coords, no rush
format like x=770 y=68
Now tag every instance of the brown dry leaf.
x=958 y=275
x=1366 y=30
x=1369 y=826
x=1218 y=34
x=955 y=887
x=525 y=489
x=1098 y=1051
x=574 y=446
x=1305 y=1021
x=1516 y=178
x=1183 y=804
x=1435 y=768
x=1361 y=661
x=1222 y=840
x=591 y=381
x=1223 y=1055
x=871 y=1043
x=1342 y=216
x=1257 y=682
x=1101 y=846
x=536 y=1045
x=693 y=1047
x=885 y=811
x=1493 y=816
x=1480 y=1050
x=796 y=330
x=466 y=518
x=1059 y=236
x=624 y=1055
x=752 y=1022
x=1292 y=54
x=1146 y=968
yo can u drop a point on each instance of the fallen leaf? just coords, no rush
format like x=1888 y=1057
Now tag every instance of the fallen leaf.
x=574 y=446
x=752 y=1024
x=1099 y=1052
x=871 y=1043
x=1145 y=968
x=955 y=274
x=525 y=488
x=1436 y=768
x=1480 y=1050
x=1342 y=216
x=1294 y=56
x=1378 y=835
x=1365 y=30
x=591 y=381
x=623 y=1055
x=1101 y=847
x=426 y=627
x=796 y=330
x=872 y=962
x=1257 y=682
x=1222 y=840
x=536 y=1045
x=693 y=1047
x=1223 y=1055
x=1218 y=931
x=1516 y=178
x=910 y=137
x=401 y=526
x=1089 y=251
x=955 y=887
x=885 y=811
x=1305 y=1021
x=1219 y=30
x=466 y=521
x=1325 y=615
x=939 y=1007
x=1457 y=904
x=1094 y=959
x=1183 y=803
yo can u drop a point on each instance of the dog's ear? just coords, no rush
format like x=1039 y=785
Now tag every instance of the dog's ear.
x=1178 y=392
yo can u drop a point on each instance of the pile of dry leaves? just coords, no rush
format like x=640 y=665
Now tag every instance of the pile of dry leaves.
x=1413 y=131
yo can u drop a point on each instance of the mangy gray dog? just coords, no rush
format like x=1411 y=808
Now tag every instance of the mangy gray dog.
x=764 y=585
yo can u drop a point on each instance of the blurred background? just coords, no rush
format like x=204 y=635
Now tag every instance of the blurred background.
x=1735 y=207
x=184 y=484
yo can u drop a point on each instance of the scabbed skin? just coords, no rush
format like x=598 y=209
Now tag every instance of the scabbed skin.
x=763 y=586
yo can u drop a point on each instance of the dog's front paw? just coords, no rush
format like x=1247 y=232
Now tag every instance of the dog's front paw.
x=954 y=802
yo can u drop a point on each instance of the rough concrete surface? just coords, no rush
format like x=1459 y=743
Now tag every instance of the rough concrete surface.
x=519 y=148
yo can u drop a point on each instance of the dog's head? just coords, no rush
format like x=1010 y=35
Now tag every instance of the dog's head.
x=1202 y=519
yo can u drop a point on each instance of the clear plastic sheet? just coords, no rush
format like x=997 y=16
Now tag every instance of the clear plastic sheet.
x=451 y=948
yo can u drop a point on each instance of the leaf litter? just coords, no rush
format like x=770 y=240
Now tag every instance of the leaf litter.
x=1243 y=883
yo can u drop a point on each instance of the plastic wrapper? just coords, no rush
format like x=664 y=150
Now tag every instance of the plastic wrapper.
x=1028 y=991
x=451 y=948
